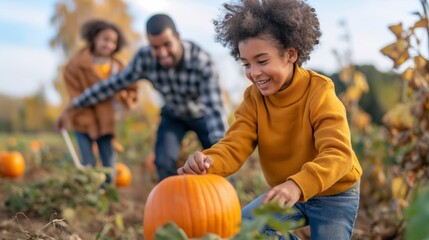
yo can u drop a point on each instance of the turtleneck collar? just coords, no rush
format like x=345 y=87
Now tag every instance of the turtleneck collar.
x=291 y=94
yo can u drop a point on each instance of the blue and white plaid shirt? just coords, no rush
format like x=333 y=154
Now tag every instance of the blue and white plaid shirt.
x=191 y=90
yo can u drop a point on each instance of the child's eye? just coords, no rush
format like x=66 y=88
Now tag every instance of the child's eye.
x=263 y=62
x=246 y=65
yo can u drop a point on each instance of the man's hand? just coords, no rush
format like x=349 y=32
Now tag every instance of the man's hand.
x=197 y=163
x=59 y=124
x=286 y=193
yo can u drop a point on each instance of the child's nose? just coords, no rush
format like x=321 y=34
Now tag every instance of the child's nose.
x=255 y=72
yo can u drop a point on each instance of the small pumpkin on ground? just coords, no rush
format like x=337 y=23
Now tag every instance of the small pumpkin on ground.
x=123 y=175
x=199 y=204
x=12 y=164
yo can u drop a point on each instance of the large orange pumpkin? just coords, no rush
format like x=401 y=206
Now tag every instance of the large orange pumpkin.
x=123 y=175
x=198 y=204
x=12 y=164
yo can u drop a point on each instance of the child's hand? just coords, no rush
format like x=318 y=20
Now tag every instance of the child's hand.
x=197 y=163
x=287 y=193
x=60 y=122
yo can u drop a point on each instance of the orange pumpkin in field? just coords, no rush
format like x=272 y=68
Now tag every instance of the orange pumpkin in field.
x=123 y=175
x=12 y=164
x=199 y=204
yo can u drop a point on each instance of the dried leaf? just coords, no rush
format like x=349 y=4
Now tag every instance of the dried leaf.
x=346 y=73
x=420 y=62
x=397 y=51
x=399 y=188
x=408 y=74
x=418 y=81
x=399 y=117
x=353 y=94
x=421 y=23
x=360 y=81
x=379 y=174
x=397 y=30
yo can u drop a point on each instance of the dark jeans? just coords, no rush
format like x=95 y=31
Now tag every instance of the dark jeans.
x=105 y=149
x=171 y=132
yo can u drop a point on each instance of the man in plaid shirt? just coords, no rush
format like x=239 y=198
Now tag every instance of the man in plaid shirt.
x=185 y=76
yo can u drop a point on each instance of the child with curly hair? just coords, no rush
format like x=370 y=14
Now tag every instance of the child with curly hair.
x=291 y=114
x=92 y=64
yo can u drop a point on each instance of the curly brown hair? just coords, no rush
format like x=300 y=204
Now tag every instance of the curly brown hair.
x=92 y=28
x=291 y=23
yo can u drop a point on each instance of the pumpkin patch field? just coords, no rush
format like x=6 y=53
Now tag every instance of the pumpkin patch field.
x=44 y=195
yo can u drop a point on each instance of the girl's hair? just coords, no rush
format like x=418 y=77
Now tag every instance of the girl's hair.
x=290 y=23
x=91 y=28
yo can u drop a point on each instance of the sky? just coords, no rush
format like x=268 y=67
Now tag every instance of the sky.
x=27 y=63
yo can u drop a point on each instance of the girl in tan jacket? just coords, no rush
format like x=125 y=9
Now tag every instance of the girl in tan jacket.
x=92 y=64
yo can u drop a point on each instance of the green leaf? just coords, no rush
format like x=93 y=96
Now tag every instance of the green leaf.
x=170 y=231
x=210 y=236
x=417 y=215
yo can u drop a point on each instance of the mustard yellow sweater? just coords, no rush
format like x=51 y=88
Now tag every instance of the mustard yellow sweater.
x=301 y=133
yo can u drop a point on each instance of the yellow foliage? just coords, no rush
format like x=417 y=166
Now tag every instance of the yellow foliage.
x=353 y=94
x=379 y=174
x=399 y=188
x=421 y=23
x=397 y=30
x=420 y=62
x=360 y=81
x=346 y=73
x=361 y=120
x=408 y=74
x=397 y=51
x=399 y=117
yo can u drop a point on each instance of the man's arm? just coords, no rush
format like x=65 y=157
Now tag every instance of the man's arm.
x=108 y=88
x=211 y=97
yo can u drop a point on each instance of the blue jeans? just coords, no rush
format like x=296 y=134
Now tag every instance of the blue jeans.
x=105 y=149
x=171 y=131
x=329 y=217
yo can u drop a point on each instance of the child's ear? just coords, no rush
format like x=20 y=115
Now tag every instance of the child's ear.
x=293 y=55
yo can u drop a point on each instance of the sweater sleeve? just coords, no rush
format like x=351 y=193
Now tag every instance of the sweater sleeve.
x=239 y=142
x=72 y=82
x=332 y=140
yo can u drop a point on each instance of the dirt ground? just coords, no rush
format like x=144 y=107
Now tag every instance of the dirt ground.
x=131 y=206
x=132 y=198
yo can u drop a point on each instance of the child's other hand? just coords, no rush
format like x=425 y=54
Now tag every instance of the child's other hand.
x=197 y=163
x=286 y=193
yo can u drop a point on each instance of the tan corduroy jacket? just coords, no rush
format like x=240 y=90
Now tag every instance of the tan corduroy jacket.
x=97 y=120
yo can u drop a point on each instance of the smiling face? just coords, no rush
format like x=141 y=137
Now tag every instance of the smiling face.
x=105 y=43
x=269 y=69
x=166 y=48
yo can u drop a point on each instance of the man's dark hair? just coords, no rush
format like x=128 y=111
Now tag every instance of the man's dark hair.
x=290 y=23
x=158 y=23
x=92 y=28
